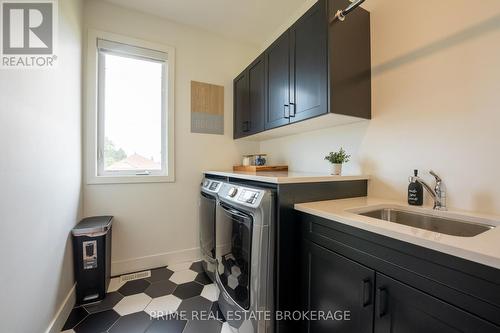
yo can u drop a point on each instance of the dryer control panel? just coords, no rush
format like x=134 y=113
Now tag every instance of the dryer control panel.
x=211 y=185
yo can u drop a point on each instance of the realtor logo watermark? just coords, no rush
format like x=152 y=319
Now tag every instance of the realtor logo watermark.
x=29 y=30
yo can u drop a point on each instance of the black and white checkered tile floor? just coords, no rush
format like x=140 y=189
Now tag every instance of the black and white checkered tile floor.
x=131 y=307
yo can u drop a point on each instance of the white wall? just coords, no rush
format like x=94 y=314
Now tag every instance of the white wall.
x=40 y=177
x=158 y=223
x=436 y=70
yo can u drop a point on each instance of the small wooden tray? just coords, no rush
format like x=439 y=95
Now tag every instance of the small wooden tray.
x=256 y=168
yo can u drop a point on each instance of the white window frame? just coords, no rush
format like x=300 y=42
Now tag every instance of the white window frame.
x=95 y=173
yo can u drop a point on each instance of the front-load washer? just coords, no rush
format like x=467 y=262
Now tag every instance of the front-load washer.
x=207 y=207
x=245 y=257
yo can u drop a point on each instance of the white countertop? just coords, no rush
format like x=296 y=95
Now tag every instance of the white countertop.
x=483 y=248
x=285 y=177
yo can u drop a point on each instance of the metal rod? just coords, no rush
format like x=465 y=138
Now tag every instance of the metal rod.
x=352 y=6
x=341 y=14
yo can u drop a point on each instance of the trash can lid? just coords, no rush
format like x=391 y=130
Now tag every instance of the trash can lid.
x=90 y=225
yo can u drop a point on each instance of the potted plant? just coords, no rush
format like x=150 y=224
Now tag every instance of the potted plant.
x=337 y=159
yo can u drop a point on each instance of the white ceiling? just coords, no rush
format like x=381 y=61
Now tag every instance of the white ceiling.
x=251 y=21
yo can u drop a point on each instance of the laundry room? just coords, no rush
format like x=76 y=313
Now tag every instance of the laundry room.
x=257 y=166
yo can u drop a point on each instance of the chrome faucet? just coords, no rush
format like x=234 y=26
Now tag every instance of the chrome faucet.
x=438 y=194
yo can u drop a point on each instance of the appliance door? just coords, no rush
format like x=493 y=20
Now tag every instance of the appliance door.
x=233 y=253
x=207 y=224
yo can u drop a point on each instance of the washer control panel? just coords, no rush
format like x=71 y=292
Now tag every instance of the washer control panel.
x=232 y=192
x=248 y=196
x=243 y=195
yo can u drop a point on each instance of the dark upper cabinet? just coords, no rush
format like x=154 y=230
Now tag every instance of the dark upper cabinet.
x=308 y=64
x=241 y=120
x=249 y=100
x=277 y=58
x=350 y=62
x=257 y=95
x=318 y=66
x=403 y=309
x=336 y=283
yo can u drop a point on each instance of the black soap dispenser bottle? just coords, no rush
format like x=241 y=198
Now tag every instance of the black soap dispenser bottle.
x=415 y=191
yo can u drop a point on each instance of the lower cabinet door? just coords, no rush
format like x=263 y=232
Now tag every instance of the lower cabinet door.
x=402 y=309
x=338 y=287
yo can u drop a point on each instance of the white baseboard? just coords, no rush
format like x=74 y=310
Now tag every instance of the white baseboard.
x=62 y=314
x=142 y=263
x=124 y=267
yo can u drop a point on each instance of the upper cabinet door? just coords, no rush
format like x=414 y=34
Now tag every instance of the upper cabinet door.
x=308 y=65
x=257 y=95
x=402 y=309
x=241 y=110
x=278 y=82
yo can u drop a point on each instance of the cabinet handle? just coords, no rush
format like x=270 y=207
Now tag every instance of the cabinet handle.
x=367 y=292
x=382 y=302
x=294 y=108
x=246 y=126
x=286 y=114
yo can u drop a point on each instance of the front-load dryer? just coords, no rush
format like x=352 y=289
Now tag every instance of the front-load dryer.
x=207 y=207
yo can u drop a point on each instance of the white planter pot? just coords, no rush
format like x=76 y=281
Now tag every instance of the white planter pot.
x=336 y=169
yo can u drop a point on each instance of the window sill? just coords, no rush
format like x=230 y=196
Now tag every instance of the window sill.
x=96 y=180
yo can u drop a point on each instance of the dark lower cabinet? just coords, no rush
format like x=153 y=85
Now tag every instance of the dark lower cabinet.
x=403 y=309
x=375 y=302
x=390 y=286
x=336 y=284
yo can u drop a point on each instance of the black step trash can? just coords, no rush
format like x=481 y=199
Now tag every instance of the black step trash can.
x=92 y=258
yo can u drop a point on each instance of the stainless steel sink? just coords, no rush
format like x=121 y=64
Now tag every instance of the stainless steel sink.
x=444 y=225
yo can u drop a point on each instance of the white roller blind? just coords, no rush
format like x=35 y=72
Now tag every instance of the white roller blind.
x=128 y=50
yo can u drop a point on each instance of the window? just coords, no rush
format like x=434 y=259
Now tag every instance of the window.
x=132 y=116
